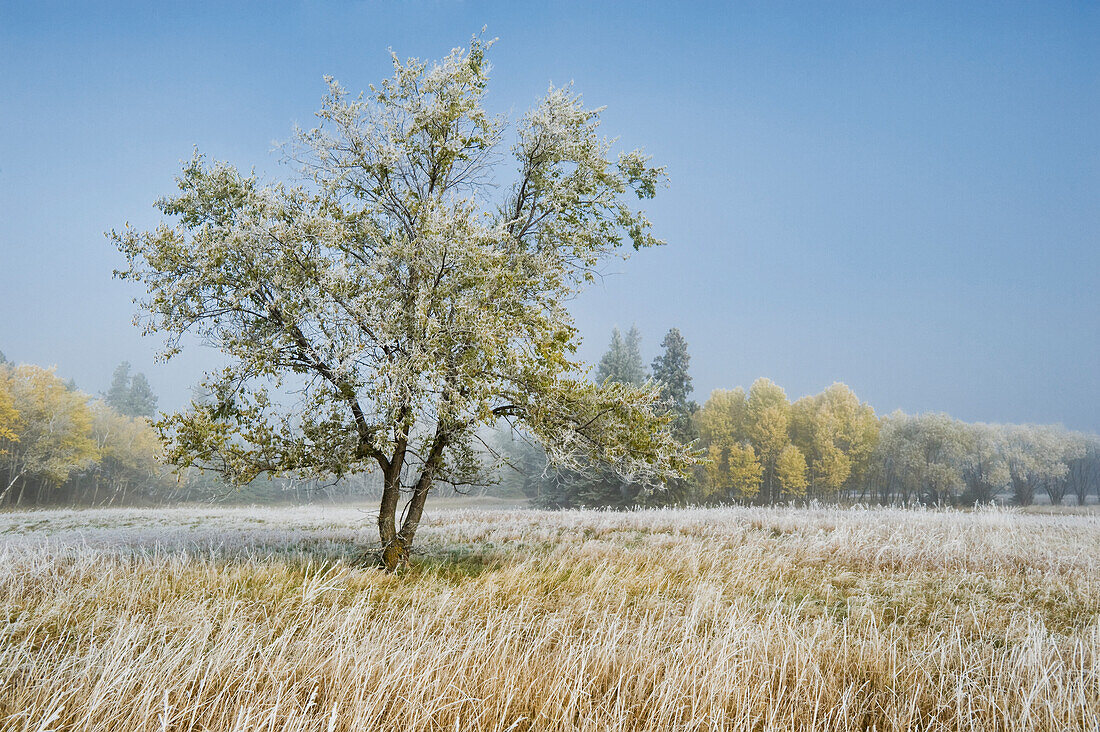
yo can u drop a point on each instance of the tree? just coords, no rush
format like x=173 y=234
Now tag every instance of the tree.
x=1066 y=448
x=837 y=433
x=937 y=461
x=128 y=451
x=670 y=371
x=790 y=471
x=405 y=302
x=919 y=458
x=768 y=418
x=143 y=402
x=131 y=395
x=596 y=485
x=118 y=394
x=984 y=468
x=889 y=465
x=622 y=362
x=720 y=423
x=732 y=471
x=723 y=416
x=54 y=435
x=10 y=423
x=1035 y=455
x=1083 y=474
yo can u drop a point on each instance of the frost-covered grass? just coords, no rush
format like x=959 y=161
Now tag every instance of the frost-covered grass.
x=260 y=619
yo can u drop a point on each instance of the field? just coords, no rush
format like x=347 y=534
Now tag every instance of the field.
x=512 y=619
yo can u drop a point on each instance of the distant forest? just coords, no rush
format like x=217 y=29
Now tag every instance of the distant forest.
x=62 y=446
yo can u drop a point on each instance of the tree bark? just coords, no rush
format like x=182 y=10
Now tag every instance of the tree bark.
x=396 y=544
x=392 y=553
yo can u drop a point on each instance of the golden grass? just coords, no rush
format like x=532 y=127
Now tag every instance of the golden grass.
x=753 y=619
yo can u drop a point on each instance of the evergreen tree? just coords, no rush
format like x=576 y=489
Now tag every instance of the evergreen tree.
x=623 y=361
x=142 y=401
x=131 y=395
x=670 y=370
x=118 y=396
x=609 y=362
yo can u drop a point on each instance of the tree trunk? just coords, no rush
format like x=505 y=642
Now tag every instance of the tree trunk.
x=1056 y=489
x=4 y=493
x=415 y=510
x=396 y=544
x=394 y=554
x=1023 y=493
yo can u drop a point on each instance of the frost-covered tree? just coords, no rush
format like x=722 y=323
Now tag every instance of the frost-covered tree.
x=409 y=290
x=596 y=485
x=1083 y=475
x=919 y=458
x=983 y=463
x=1036 y=456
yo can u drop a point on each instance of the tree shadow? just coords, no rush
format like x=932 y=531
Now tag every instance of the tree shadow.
x=459 y=563
x=296 y=550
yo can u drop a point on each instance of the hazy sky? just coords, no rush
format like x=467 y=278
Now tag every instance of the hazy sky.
x=901 y=196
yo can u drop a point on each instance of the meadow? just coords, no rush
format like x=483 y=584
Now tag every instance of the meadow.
x=215 y=618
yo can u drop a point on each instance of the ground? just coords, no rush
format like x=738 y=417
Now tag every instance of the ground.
x=512 y=619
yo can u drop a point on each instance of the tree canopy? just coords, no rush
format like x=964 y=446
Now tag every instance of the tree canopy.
x=408 y=290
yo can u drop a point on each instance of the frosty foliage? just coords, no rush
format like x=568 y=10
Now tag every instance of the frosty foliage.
x=406 y=297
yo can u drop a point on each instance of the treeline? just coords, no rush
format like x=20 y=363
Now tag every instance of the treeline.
x=763 y=448
x=59 y=445
x=759 y=447
x=62 y=446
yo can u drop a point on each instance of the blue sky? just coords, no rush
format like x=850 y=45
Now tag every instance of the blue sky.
x=901 y=196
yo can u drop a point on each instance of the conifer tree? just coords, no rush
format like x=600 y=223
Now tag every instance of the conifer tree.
x=131 y=395
x=118 y=395
x=670 y=371
x=142 y=401
x=622 y=364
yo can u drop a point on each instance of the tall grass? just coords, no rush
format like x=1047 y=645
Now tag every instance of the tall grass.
x=754 y=619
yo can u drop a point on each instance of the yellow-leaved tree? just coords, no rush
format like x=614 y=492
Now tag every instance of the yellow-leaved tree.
x=837 y=433
x=790 y=472
x=10 y=424
x=732 y=472
x=768 y=415
x=55 y=427
x=129 y=449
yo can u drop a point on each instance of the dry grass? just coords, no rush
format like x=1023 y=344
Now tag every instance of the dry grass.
x=754 y=619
